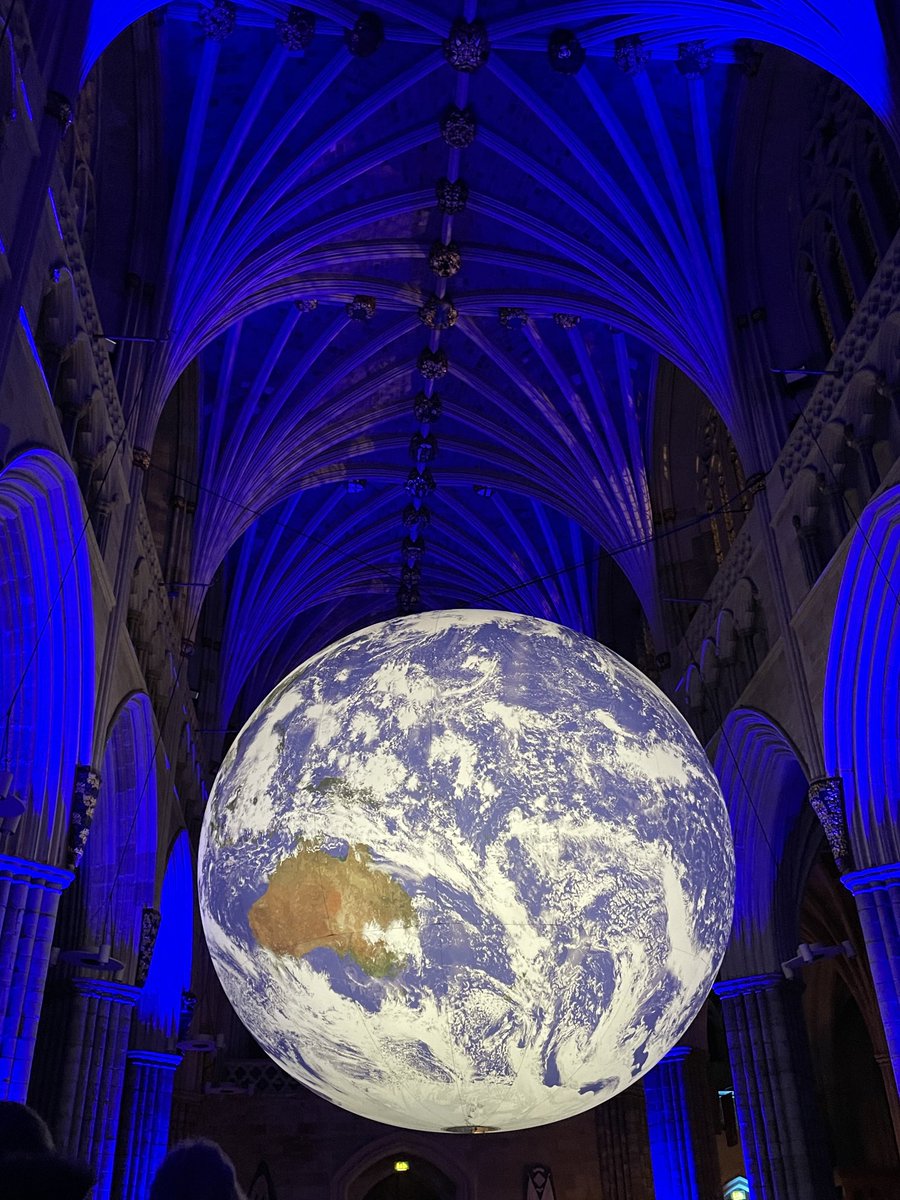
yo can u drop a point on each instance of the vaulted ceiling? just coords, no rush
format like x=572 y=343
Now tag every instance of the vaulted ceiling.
x=425 y=266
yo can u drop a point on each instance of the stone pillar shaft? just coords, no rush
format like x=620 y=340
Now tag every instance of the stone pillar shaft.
x=781 y=1130
x=680 y=1122
x=29 y=899
x=623 y=1147
x=876 y=891
x=144 y=1124
x=89 y=1086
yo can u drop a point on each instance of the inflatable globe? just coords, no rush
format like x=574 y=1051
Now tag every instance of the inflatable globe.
x=466 y=871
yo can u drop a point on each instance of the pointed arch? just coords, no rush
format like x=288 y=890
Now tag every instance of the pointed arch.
x=765 y=787
x=861 y=704
x=118 y=872
x=47 y=642
x=262 y=1187
x=374 y=1163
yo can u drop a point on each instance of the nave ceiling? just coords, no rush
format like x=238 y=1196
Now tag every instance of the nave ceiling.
x=422 y=277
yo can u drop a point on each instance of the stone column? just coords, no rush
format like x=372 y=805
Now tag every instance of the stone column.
x=88 y=1088
x=781 y=1129
x=623 y=1147
x=680 y=1122
x=144 y=1124
x=29 y=899
x=876 y=891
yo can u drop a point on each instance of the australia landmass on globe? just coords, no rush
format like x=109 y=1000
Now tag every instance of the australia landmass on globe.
x=316 y=899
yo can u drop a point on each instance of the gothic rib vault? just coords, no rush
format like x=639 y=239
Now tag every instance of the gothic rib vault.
x=446 y=259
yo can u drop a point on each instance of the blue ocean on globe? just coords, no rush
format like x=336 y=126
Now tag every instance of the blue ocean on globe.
x=466 y=870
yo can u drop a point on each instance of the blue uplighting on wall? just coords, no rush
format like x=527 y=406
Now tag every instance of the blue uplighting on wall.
x=671 y=1152
x=118 y=872
x=108 y=19
x=49 y=666
x=765 y=789
x=861 y=703
x=170 y=968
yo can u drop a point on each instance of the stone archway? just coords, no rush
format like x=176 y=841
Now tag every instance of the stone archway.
x=412 y=1178
x=432 y=1174
x=46 y=666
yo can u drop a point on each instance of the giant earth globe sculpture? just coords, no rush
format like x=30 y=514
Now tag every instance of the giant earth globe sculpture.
x=466 y=871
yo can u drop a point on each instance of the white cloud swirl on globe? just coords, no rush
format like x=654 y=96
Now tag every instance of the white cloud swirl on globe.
x=499 y=859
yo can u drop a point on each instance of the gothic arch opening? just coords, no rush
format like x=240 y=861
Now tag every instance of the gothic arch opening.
x=47 y=649
x=117 y=875
x=861 y=714
x=402 y=1177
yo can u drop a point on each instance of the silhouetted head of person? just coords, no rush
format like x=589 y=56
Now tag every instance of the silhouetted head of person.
x=30 y=1168
x=22 y=1131
x=196 y=1171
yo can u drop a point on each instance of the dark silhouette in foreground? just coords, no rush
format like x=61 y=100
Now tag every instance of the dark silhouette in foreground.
x=197 y=1170
x=30 y=1167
